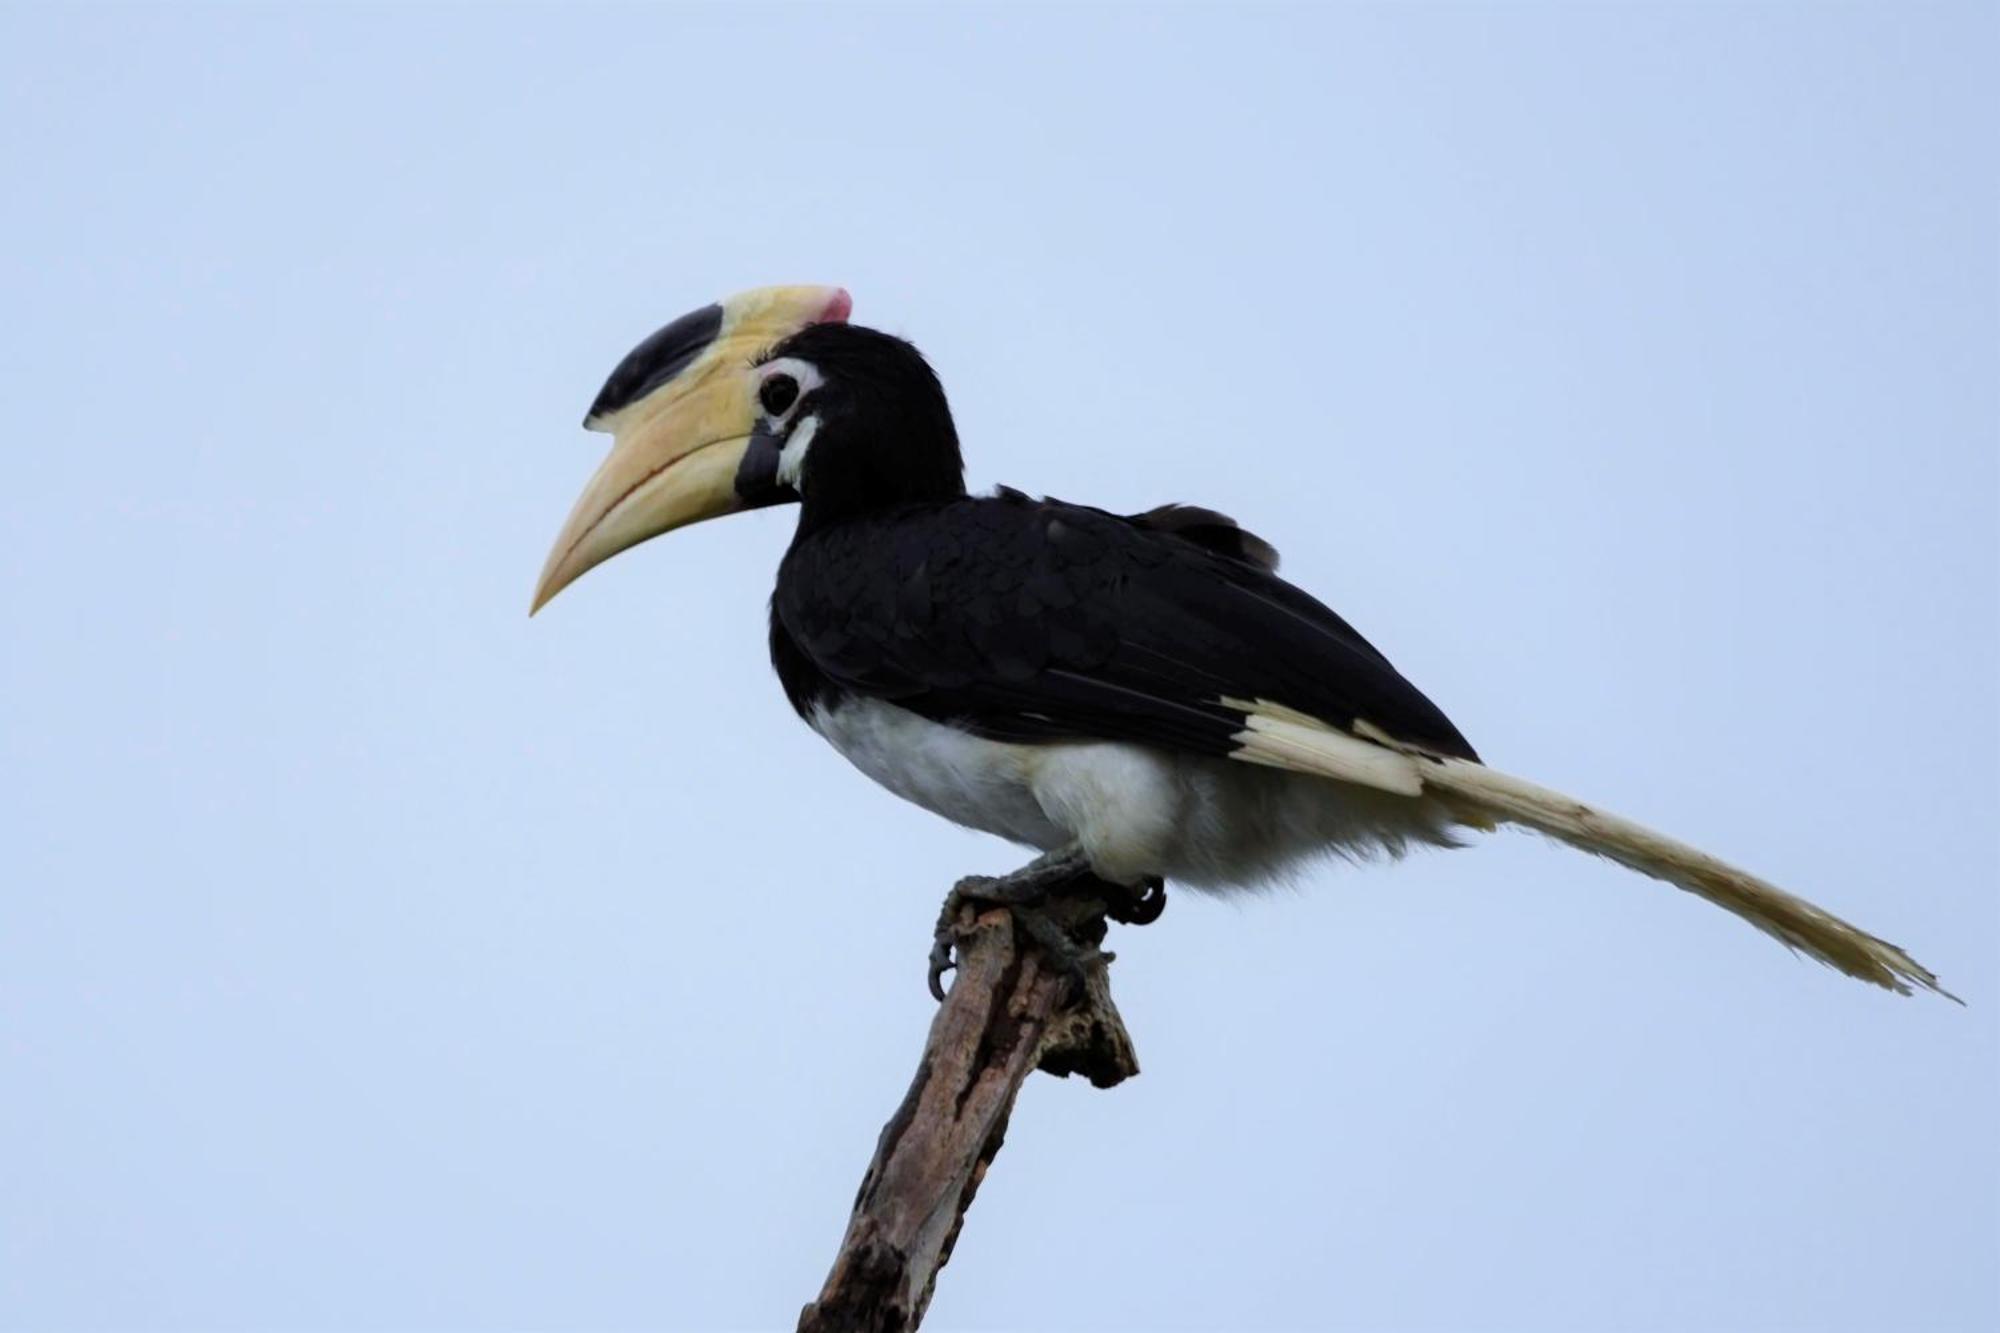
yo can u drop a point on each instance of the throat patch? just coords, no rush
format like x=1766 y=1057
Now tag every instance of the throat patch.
x=792 y=459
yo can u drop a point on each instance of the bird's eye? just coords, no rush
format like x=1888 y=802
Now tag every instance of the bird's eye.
x=778 y=393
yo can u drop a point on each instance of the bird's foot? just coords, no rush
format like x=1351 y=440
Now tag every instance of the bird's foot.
x=1026 y=893
x=1065 y=951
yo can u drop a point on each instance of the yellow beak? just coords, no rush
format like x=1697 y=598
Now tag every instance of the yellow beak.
x=681 y=410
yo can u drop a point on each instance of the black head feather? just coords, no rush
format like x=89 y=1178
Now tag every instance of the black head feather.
x=885 y=433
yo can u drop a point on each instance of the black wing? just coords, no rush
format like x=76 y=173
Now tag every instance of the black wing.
x=1038 y=620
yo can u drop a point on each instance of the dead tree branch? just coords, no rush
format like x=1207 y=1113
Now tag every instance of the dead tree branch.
x=1009 y=1012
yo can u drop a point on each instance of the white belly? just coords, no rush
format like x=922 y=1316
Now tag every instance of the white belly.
x=1135 y=811
x=981 y=784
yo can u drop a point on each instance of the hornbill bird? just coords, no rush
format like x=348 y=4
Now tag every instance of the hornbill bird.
x=1140 y=697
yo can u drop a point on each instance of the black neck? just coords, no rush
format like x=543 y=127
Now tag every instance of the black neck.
x=847 y=479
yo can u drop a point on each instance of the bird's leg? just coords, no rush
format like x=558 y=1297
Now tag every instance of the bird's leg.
x=1025 y=893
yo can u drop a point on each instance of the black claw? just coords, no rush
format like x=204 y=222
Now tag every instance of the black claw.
x=940 y=966
x=1139 y=905
x=943 y=939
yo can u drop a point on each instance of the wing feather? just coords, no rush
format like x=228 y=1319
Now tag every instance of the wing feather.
x=1025 y=619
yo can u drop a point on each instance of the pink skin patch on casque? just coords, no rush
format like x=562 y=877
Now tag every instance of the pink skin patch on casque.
x=838 y=309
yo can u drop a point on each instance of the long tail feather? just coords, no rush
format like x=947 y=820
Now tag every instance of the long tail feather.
x=1283 y=738
x=1809 y=929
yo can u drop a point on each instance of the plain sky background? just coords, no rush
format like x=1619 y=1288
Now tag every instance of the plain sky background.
x=372 y=957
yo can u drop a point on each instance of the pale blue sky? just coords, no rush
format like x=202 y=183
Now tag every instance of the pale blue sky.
x=372 y=957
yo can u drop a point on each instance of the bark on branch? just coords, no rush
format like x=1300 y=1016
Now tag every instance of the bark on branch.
x=1009 y=1012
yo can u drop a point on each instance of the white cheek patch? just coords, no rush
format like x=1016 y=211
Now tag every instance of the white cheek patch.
x=792 y=458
